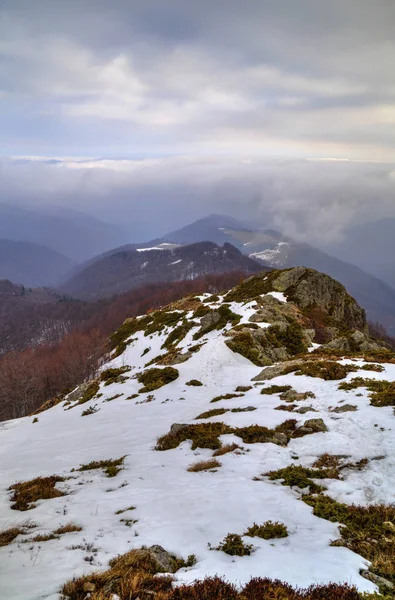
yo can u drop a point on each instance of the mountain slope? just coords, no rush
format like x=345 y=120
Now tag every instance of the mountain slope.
x=125 y=270
x=31 y=316
x=151 y=424
x=32 y=265
x=75 y=235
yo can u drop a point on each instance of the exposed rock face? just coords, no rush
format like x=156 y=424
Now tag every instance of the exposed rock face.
x=357 y=341
x=309 y=288
x=255 y=345
x=271 y=310
x=275 y=371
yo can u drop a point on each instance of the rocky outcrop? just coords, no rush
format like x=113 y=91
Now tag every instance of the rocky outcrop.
x=356 y=341
x=308 y=288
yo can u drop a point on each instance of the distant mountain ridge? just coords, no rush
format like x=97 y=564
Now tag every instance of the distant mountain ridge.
x=122 y=270
x=73 y=234
x=32 y=265
x=271 y=247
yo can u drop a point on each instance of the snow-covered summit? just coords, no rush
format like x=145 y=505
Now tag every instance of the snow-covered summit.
x=219 y=359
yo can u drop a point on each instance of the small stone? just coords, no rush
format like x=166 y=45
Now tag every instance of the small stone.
x=280 y=439
x=164 y=560
x=389 y=526
x=315 y=424
x=304 y=430
x=304 y=409
x=89 y=587
x=176 y=427
x=345 y=408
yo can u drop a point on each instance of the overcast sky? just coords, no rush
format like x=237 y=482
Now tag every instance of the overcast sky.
x=221 y=82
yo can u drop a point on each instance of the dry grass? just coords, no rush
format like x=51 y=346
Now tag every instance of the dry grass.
x=119 y=512
x=55 y=535
x=130 y=576
x=204 y=465
x=227 y=448
x=226 y=397
x=27 y=493
x=7 y=536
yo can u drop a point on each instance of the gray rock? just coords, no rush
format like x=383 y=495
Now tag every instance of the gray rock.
x=315 y=425
x=355 y=342
x=307 y=287
x=380 y=581
x=280 y=439
x=79 y=391
x=164 y=560
x=209 y=320
x=275 y=370
x=305 y=430
x=305 y=409
x=176 y=427
x=345 y=408
x=294 y=396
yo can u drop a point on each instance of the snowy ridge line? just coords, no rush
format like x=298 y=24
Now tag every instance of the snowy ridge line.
x=177 y=509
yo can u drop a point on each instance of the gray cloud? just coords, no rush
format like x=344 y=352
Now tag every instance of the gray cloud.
x=312 y=200
x=127 y=78
x=198 y=98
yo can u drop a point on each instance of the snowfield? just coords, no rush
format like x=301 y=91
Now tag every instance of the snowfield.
x=180 y=510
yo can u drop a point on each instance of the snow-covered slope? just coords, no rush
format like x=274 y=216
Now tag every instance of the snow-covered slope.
x=180 y=510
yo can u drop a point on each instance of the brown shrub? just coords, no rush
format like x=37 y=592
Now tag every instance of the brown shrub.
x=212 y=588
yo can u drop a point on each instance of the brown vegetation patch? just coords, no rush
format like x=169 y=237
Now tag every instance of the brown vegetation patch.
x=226 y=397
x=130 y=576
x=27 y=493
x=55 y=535
x=227 y=448
x=7 y=536
x=204 y=465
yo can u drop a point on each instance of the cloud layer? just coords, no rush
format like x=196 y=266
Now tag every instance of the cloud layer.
x=129 y=78
x=312 y=200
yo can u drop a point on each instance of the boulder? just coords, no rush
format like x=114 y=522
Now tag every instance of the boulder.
x=176 y=427
x=164 y=560
x=294 y=396
x=315 y=425
x=209 y=320
x=275 y=371
x=345 y=408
